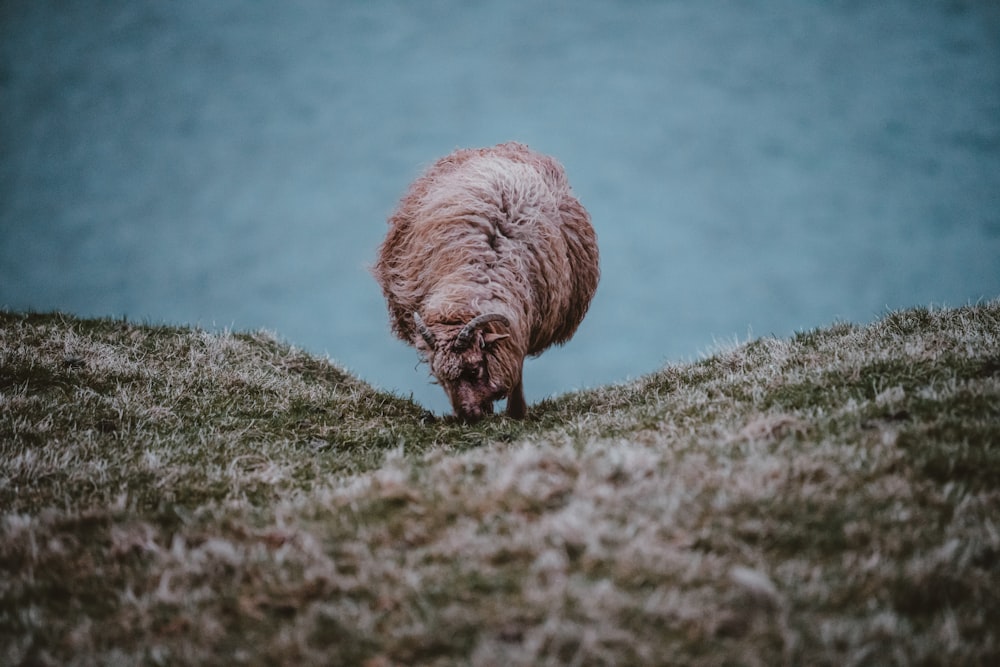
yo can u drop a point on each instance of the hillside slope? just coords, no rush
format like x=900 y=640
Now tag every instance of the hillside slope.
x=174 y=496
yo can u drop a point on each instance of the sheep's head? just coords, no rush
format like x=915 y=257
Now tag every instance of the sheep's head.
x=467 y=363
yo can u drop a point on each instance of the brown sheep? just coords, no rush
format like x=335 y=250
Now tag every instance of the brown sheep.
x=489 y=258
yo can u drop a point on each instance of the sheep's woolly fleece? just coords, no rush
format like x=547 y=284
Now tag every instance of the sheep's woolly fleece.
x=493 y=230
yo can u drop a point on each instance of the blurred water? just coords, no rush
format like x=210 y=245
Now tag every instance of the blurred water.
x=751 y=168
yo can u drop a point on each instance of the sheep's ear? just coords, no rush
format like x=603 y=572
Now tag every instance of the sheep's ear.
x=491 y=338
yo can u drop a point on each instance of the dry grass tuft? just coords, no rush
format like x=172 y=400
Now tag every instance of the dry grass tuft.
x=173 y=496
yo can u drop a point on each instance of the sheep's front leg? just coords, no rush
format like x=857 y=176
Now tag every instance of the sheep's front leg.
x=516 y=406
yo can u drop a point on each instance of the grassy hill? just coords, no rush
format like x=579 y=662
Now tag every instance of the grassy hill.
x=171 y=496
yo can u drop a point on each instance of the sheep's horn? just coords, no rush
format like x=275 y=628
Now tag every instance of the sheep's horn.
x=425 y=333
x=464 y=338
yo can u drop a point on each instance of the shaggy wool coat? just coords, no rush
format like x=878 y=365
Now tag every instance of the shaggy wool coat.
x=491 y=230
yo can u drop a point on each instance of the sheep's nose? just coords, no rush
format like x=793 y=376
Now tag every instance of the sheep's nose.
x=470 y=415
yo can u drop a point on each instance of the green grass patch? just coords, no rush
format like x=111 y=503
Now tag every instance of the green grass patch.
x=174 y=496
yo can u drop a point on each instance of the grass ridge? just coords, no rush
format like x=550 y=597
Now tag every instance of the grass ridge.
x=171 y=495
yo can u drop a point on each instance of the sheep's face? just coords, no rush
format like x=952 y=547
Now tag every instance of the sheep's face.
x=468 y=367
x=469 y=377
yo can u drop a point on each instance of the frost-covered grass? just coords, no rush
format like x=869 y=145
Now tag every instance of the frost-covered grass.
x=171 y=496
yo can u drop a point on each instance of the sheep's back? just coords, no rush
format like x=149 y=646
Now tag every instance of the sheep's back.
x=488 y=226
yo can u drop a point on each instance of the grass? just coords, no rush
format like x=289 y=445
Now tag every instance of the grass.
x=171 y=496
